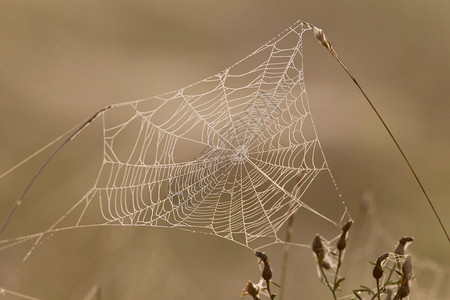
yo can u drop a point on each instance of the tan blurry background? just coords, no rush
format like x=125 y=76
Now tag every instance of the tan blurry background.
x=60 y=61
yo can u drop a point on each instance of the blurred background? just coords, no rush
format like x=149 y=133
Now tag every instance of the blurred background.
x=60 y=61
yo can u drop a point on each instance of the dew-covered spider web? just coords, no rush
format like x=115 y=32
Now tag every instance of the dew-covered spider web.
x=231 y=155
x=222 y=156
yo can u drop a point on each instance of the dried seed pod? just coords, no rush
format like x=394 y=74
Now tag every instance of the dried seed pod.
x=346 y=227
x=267 y=271
x=261 y=255
x=320 y=36
x=406 y=239
x=342 y=243
x=377 y=272
x=407 y=268
x=403 y=290
x=403 y=244
x=317 y=247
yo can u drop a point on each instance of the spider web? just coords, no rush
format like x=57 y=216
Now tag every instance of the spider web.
x=231 y=155
x=222 y=156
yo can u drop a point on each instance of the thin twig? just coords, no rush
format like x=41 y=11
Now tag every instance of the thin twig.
x=289 y=233
x=71 y=137
x=318 y=33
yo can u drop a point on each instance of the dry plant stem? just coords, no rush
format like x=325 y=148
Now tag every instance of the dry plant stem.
x=338 y=267
x=322 y=39
x=71 y=137
x=289 y=232
x=326 y=280
x=268 y=288
x=378 y=289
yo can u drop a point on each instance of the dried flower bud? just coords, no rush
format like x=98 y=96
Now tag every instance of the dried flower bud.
x=403 y=290
x=407 y=268
x=261 y=255
x=403 y=244
x=320 y=36
x=317 y=247
x=377 y=272
x=251 y=289
x=346 y=227
x=267 y=271
x=406 y=239
x=342 y=243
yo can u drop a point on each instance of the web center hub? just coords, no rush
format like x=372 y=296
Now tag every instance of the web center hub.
x=240 y=154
